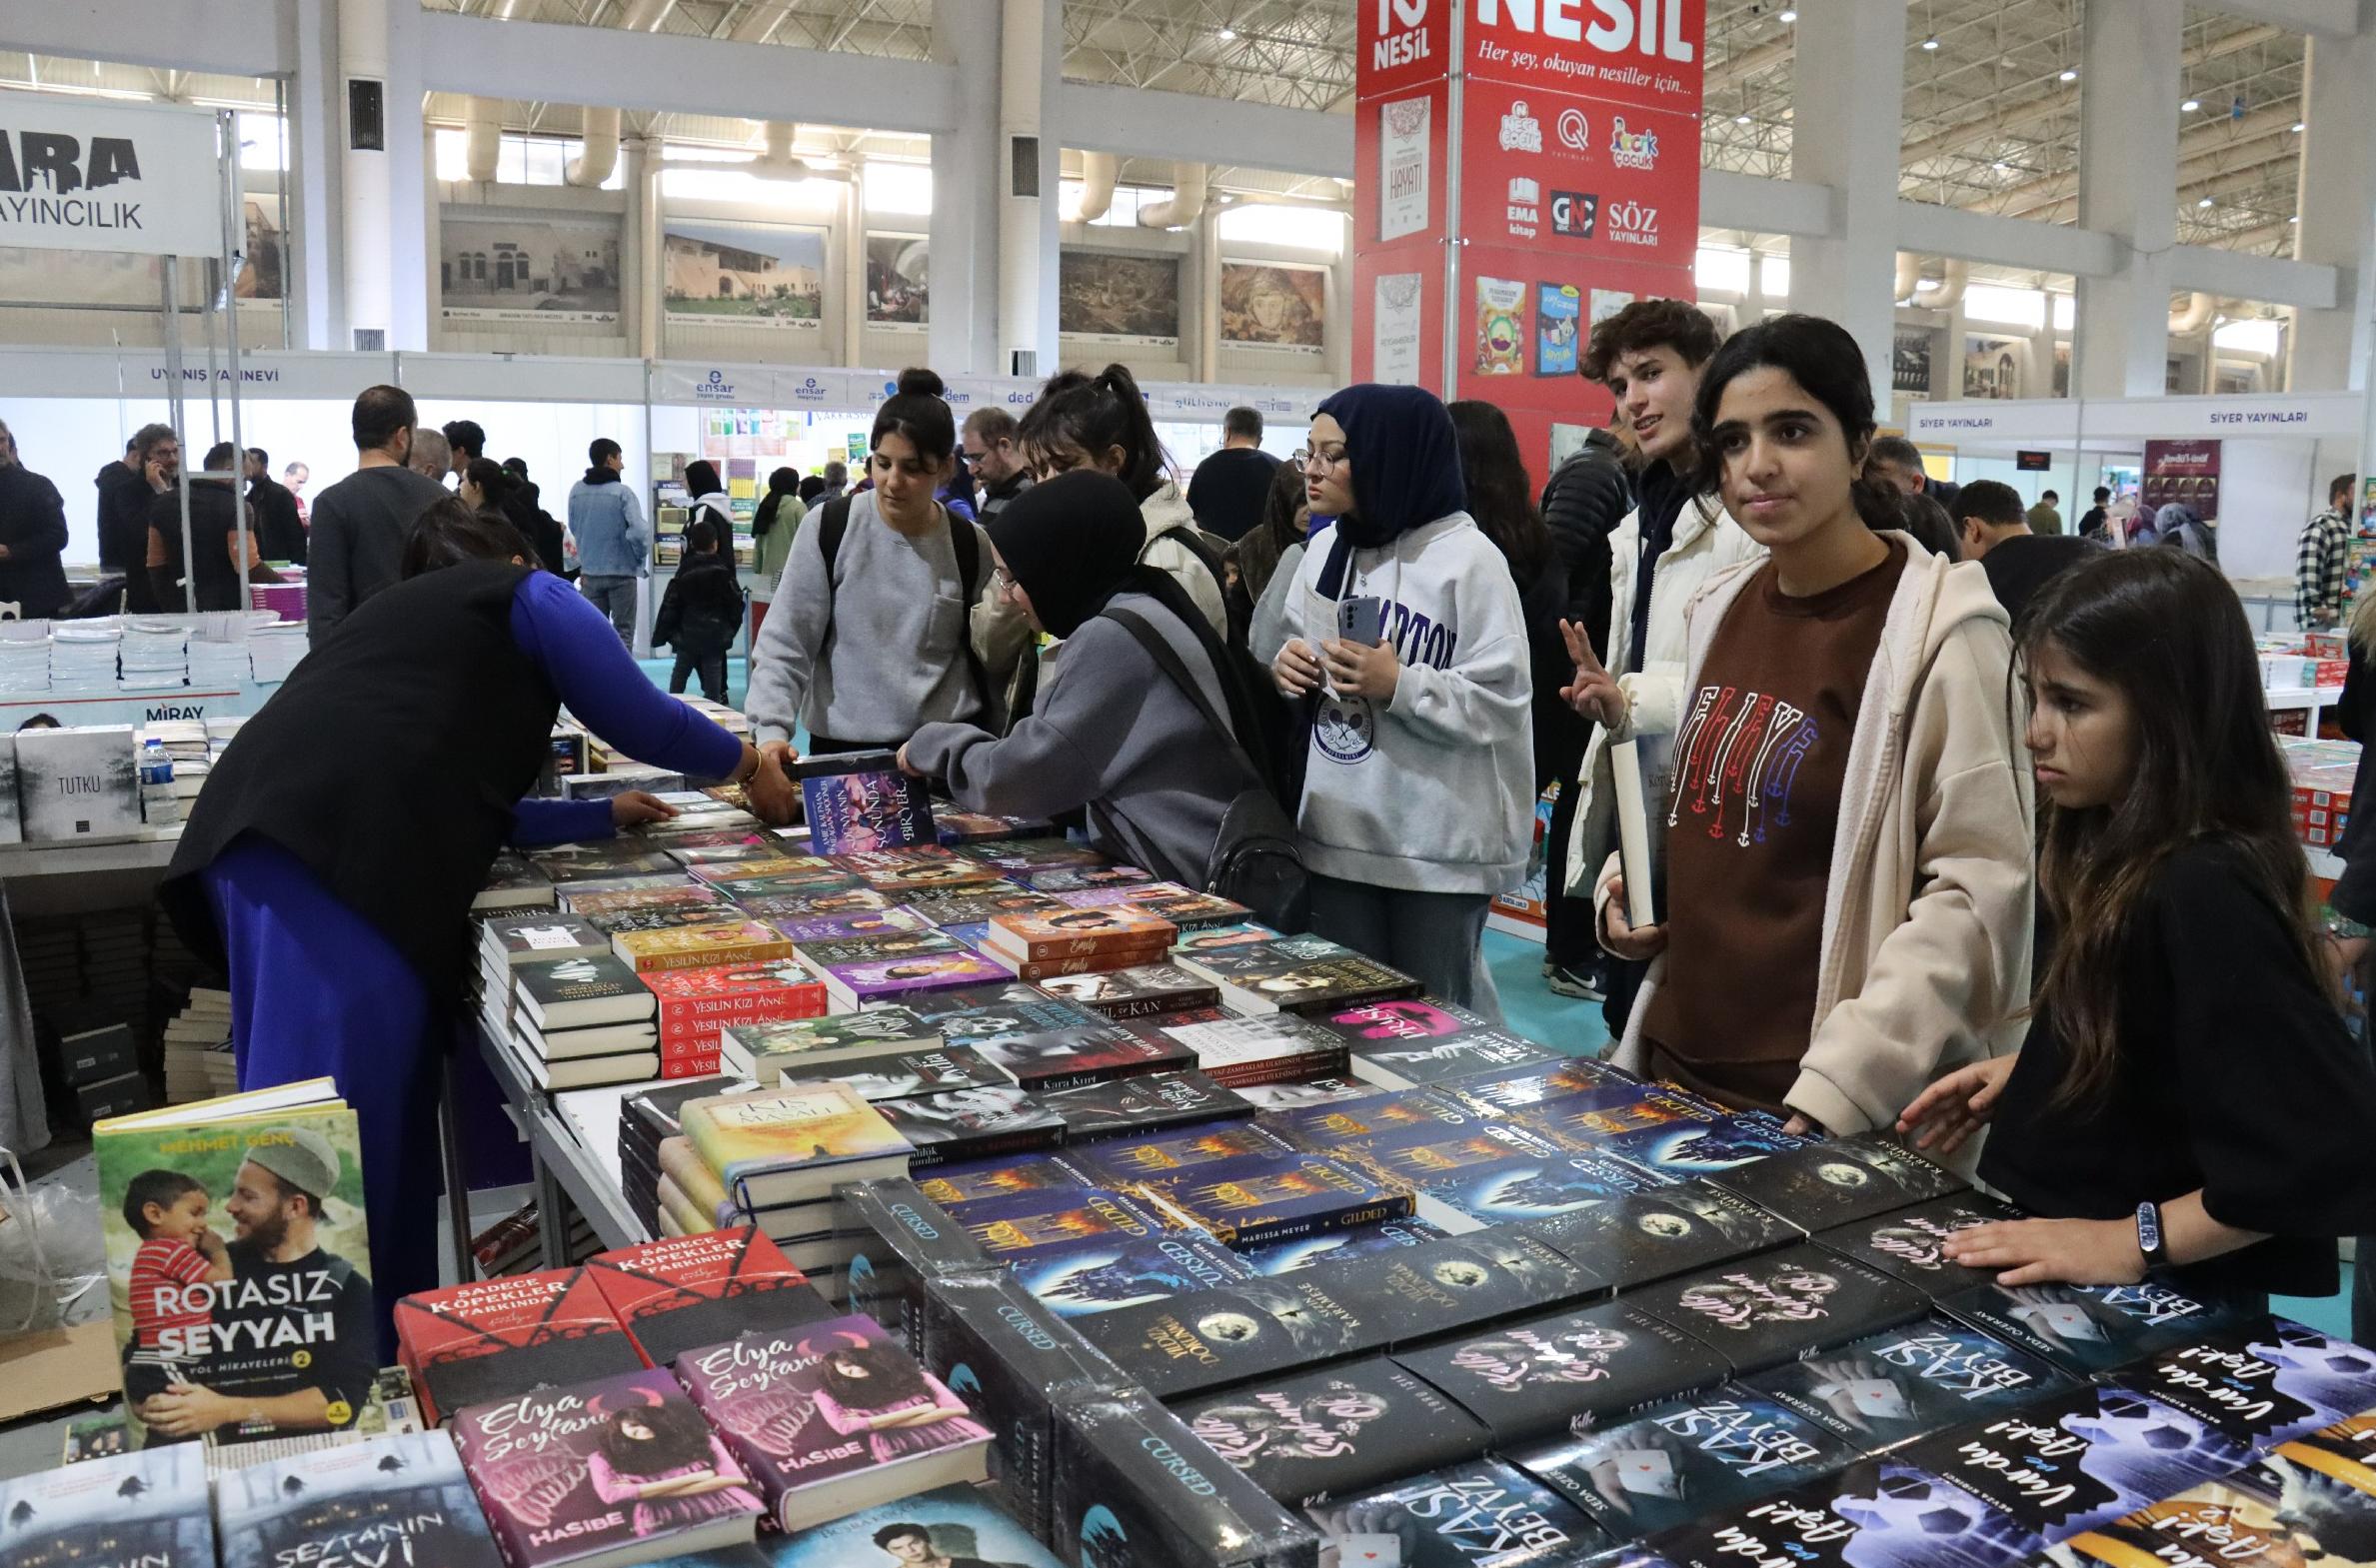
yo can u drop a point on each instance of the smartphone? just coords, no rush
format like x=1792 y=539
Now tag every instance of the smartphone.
x=1361 y=620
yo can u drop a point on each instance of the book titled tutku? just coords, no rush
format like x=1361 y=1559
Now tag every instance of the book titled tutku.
x=1145 y=1103
x=860 y=800
x=491 y=1338
x=1888 y=1389
x=1480 y=1511
x=1781 y=1305
x=833 y=1417
x=603 y=1473
x=1276 y=1198
x=1542 y=1377
x=144 y=1509
x=794 y=1145
x=678 y=1293
x=1342 y=1430
x=400 y=1498
x=1645 y=1237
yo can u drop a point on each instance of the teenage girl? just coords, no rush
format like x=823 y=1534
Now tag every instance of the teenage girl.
x=2188 y=1094
x=1848 y=879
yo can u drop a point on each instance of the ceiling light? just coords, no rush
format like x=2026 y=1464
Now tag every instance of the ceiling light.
x=2296 y=217
x=1932 y=42
x=2205 y=202
x=2297 y=128
x=2070 y=76
x=1788 y=17
x=2190 y=106
x=1741 y=119
x=1998 y=166
x=1228 y=35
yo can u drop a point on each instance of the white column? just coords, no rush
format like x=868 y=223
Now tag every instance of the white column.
x=967 y=170
x=1031 y=68
x=2128 y=188
x=366 y=227
x=2337 y=201
x=411 y=192
x=316 y=280
x=644 y=261
x=1845 y=108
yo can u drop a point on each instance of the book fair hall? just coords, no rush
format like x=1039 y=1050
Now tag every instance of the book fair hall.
x=1503 y=807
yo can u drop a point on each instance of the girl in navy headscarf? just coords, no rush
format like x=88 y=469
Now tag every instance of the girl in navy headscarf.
x=1417 y=805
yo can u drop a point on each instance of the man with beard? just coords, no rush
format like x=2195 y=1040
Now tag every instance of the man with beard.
x=295 y=1341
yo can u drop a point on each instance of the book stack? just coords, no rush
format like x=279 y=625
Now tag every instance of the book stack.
x=1043 y=946
x=1296 y=975
x=646 y=1117
x=25 y=657
x=192 y=1038
x=275 y=651
x=775 y=1157
x=609 y=861
x=697 y=1005
x=284 y=600
x=584 y=1020
x=513 y=883
x=220 y=661
x=506 y=942
x=789 y=1050
x=83 y=657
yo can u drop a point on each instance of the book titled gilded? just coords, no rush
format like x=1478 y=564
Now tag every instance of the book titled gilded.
x=1781 y=1305
x=1543 y=1377
x=1888 y=1389
x=400 y=1498
x=1480 y=1511
x=792 y=1145
x=961 y=1182
x=491 y=1338
x=1276 y=1198
x=1128 y=1159
x=1342 y=1430
x=239 y=1264
x=143 y=1509
x=860 y=801
x=1594 y=1086
x=1030 y=1221
x=677 y=1295
x=1347 y=1127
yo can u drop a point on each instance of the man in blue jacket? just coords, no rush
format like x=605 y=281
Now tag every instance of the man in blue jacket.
x=614 y=542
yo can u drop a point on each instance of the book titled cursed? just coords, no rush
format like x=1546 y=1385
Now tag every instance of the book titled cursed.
x=1345 y=1429
x=2086 y=1329
x=494 y=1337
x=1888 y=1389
x=2081 y=1458
x=397 y=1499
x=1480 y=1511
x=2266 y=1384
x=612 y=1471
x=680 y=1293
x=968 y=1124
x=1780 y=1305
x=900 y=1241
x=1236 y=1333
x=145 y=1509
x=1876 y=1513
x=1542 y=1377
x=1276 y=1198
x=1685 y=1458
x=1084 y=1278
x=1462 y=1282
x=1148 y=1103
x=1839 y=1182
x=1136 y=1489
x=1643 y=1238
x=1910 y=1243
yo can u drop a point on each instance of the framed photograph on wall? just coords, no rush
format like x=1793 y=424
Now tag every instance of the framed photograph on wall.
x=496 y=265
x=1274 y=304
x=899 y=276
x=758 y=274
x=1119 y=296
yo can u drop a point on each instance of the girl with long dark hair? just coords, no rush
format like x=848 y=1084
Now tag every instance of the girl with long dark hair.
x=1847 y=901
x=1266 y=559
x=878 y=1390
x=665 y=1460
x=773 y=528
x=2188 y=1094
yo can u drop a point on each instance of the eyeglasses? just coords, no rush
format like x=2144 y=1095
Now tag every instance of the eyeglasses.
x=1309 y=460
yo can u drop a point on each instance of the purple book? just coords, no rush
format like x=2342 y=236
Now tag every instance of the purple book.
x=887 y=980
x=860 y=801
x=832 y=1418
x=861 y=924
x=563 y=1473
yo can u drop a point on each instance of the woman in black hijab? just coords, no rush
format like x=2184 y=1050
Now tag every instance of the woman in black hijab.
x=1113 y=730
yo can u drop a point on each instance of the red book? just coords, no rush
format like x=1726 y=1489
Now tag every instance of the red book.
x=1077 y=933
x=1091 y=963
x=696 y=1004
x=687 y=1292
x=704 y=1065
x=497 y=1338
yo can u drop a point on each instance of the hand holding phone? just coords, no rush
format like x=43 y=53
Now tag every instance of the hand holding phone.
x=1360 y=619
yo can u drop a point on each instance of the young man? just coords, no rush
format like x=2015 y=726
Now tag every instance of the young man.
x=1650 y=356
x=2318 y=565
x=361 y=523
x=2045 y=517
x=1995 y=532
x=991 y=452
x=2092 y=521
x=280 y=531
x=614 y=544
x=468 y=438
x=1227 y=490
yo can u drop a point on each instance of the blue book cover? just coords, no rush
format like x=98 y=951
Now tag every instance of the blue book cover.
x=1885 y=1391
x=147 y=1508
x=862 y=801
x=2265 y=1386
x=1081 y=1280
x=1702 y=1146
x=1276 y=1198
x=1874 y=1514
x=1529 y=1187
x=951 y=1524
x=1340 y=1246
x=1483 y=1511
x=959 y=1183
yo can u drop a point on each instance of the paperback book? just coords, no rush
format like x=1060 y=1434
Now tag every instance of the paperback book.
x=590 y=902
x=1078 y=933
x=2087 y=1329
x=1043 y=1041
x=2264 y=1385
x=1140 y=991
x=1335 y=1432
x=1527 y=1188
x=1129 y=1159
x=1480 y=1511
x=954 y=1185
x=1237 y=1051
x=782 y=899
x=1401 y=1023
x=1546 y=1377
x=1841 y=1181
x=510 y=940
x=1460 y=1283
x=923 y=869
x=1074 y=879
x=1702 y=1146
x=680 y=1294
x=1145 y=1103
x=400 y=1498
x=143 y=1509
x=1039 y=971
x=899 y=1240
x=865 y=985
x=819 y=955
x=794 y=1145
x=860 y=800
x=1134 y=1489
x=1781 y=1305
x=495 y=1338
x=1234 y=1332
x=860 y=923
x=977 y=906
x=1008 y=1228
x=1644 y=1238
x=1276 y=1198
x=1326 y=1090
x=908 y=1075
x=1876 y=1513
x=969 y=1123
x=1185 y=908
x=1081 y=1280
x=1337 y=1247
x=1910 y=1243
x=572 y=993
x=736 y=941
x=513 y=883
x=2253 y=1519
x=696 y=1005
x=949 y=1524
x=812 y=1046
x=1484 y=1053
x=1888 y=1389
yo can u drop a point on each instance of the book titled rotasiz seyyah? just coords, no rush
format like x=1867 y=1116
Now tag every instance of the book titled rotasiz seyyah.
x=1876 y=1513
x=1781 y=1305
x=970 y=1123
x=1839 y=1181
x=1144 y=1104
x=1136 y=1489
x=1644 y=1238
x=1888 y=1389
x=1478 y=1511
x=1539 y=1378
x=678 y=1293
x=2263 y=1385
x=1345 y=1429
x=2086 y=1329
x=832 y=1417
x=860 y=801
x=1911 y=1244
x=400 y=1498
x=145 y=1509
x=603 y=1473
x=1081 y=1280
x=1276 y=1198
x=491 y=1338
x=1229 y=1334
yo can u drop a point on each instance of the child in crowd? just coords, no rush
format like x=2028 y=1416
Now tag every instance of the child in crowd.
x=1417 y=805
x=701 y=612
x=2188 y=1094
x=1848 y=881
x=167 y=1211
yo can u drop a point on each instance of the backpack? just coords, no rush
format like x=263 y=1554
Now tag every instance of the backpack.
x=834 y=523
x=1254 y=858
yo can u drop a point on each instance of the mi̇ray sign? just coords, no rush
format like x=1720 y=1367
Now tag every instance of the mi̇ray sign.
x=77 y=176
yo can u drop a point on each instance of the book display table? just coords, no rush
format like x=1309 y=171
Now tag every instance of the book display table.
x=571 y=1157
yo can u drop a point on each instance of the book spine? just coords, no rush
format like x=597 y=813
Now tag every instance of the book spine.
x=681 y=1022
x=1081 y=964
x=710 y=959
x=1276 y=1069
x=1043 y=949
x=1121 y=1009
x=702 y=1067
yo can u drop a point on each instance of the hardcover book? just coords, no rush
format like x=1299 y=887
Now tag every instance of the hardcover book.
x=1140 y=991
x=1841 y=1181
x=1884 y=1391
x=1545 y=1377
x=1276 y=1198
x=1337 y=1247
x=1596 y=1085
x=977 y=906
x=144 y=1509
x=1310 y=1092
x=575 y=1475
x=2086 y=1329
x=959 y=1183
x=2263 y=1385
x=1040 y=970
x=697 y=946
x=792 y=1144
x=1460 y=1283
x=810 y=1046
x=678 y=1295
x=860 y=923
x=397 y=1498
x=1779 y=1306
x=924 y=869
x=589 y=901
x=1228 y=961
x=2246 y=1521
x=1134 y=1489
x=1335 y=1432
x=1216 y=939
x=494 y=1338
x=1081 y=1280
x=780 y=901
x=1704 y=1145
x=1023 y=854
x=1644 y=1238
x=949 y=1524
x=970 y=1123
x=901 y=1239
x=1325 y=983
x=1010 y=1228
x=832 y=1417
x=1685 y=1458
x=570 y=994
x=1185 y=908
x=1236 y=1333
x=860 y=800
x=1876 y=1513
x=1484 y=1053
x=1145 y=1103
x=911 y=1073
x=1527 y=1188
x=1043 y=1041
x=513 y=883
x=1074 y=878
x=1128 y=1159
x=664 y=918
x=1908 y=1242
x=697 y=1003
x=857 y=986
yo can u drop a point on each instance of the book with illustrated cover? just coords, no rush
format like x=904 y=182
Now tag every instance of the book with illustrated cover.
x=572 y=993
x=143 y=1509
x=1876 y=1513
x=1337 y=1247
x=1647 y=1106
x=1230 y=955
x=1276 y=1198
x=1076 y=933
x=954 y=827
x=2247 y=1520
x=956 y=1184
x=1134 y=1489
x=1017 y=1024
x=1025 y=855
x=792 y=1144
x=1527 y=1186
x=1884 y=1391
x=2079 y=1460
x=680 y=1294
x=2086 y=1329
x=1641 y=776
x=667 y=917
x=1091 y=1051
x=1081 y=1280
x=1648 y=1236
x=1398 y=1023
x=1237 y=1051
x=971 y=1123
x=589 y=901
x=860 y=800
x=1040 y=972
x=1074 y=879
x=819 y=956
x=1185 y=908
x=1596 y=1083
x=1910 y=1243
x=1460 y=1283
x=1349 y=1125
x=832 y=1417
x=1543 y=1377
x=574 y=1475
x=1841 y=1181
x=400 y=1498
x=1218 y=938
x=924 y=869
x=1233 y=1332
x=697 y=946
x=1781 y=1305
x=1705 y=1146
x=908 y=1074
x=697 y=1003
x=1685 y=1458
x=1129 y=1159
x=2326 y=1487
x=510 y=940
x=737 y=849
x=494 y=1338
x=1145 y=1103
x=1140 y=991
x=777 y=902
x=949 y=1524
x=901 y=1239
x=1266 y=1097
x=1485 y=1052
x=1325 y=983
x=1483 y=1511
x=977 y=906
x=699 y=1194
x=859 y=985
x=1423 y=1158
x=849 y=923
x=1339 y=1431
x=812 y=1045
x=773 y=867
x=1010 y=1228
x=605 y=859
x=2263 y=1385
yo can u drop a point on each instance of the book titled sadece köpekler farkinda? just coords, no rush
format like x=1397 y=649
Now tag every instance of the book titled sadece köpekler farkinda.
x=240 y=1266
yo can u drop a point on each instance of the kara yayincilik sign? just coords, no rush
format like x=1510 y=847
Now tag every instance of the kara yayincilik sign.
x=108 y=177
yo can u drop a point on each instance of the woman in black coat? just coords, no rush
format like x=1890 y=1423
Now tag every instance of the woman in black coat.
x=31 y=538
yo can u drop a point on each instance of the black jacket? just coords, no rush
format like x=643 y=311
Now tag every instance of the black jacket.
x=33 y=527
x=214 y=517
x=538 y=525
x=124 y=499
x=703 y=607
x=280 y=533
x=2354 y=896
x=1582 y=506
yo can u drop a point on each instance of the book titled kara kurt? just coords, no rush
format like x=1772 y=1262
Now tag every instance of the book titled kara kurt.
x=491 y=1338
x=700 y=947
x=679 y=1295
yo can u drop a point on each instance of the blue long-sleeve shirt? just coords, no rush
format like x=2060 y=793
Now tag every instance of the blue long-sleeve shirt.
x=599 y=683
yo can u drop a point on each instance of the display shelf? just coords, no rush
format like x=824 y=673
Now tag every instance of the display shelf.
x=566 y=1166
x=151 y=851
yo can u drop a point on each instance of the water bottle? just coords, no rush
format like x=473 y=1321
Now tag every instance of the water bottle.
x=158 y=802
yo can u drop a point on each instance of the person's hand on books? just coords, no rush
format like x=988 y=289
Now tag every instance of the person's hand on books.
x=638 y=806
x=2051 y=1251
x=1362 y=669
x=1296 y=671
x=1594 y=692
x=1943 y=1118
x=1619 y=936
x=774 y=799
x=908 y=767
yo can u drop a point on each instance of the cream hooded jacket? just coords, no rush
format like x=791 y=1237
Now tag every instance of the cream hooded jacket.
x=1925 y=958
x=1167 y=516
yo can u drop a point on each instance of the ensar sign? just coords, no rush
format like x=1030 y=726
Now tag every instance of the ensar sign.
x=1610 y=26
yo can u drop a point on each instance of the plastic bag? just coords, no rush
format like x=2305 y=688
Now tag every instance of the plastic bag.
x=53 y=1269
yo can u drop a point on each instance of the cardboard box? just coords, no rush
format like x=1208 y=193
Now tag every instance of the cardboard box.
x=95 y=1056
x=117 y=1096
x=76 y=784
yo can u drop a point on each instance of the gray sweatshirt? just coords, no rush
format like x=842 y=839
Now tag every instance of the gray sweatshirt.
x=1113 y=732
x=895 y=605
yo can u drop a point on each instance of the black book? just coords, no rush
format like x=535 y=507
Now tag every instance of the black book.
x=1143 y=991
x=958 y=1184
x=2079 y=1460
x=1685 y=1458
x=1876 y=1513
x=1338 y=1431
x=1907 y=1243
x=1463 y=1282
x=1839 y=1182
x=1220 y=1338
x=1484 y=1055
x=1888 y=1389
x=1147 y=1103
x=1645 y=1237
x=651 y=1114
x=2086 y=1329
x=1539 y=1378
x=1134 y=1489
x=903 y=1239
x=1483 y=1511
x=931 y=1070
x=971 y=1123
x=2263 y=1385
x=1780 y=1305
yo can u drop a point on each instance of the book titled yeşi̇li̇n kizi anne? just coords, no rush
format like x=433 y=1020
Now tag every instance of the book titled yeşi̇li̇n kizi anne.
x=239 y=1260
x=397 y=1499
x=677 y=1295
x=696 y=1005
x=794 y=1145
x=860 y=801
x=1276 y=1198
x=699 y=946
x=490 y=1338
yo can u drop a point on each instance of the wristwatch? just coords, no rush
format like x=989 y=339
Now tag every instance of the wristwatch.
x=2149 y=1240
